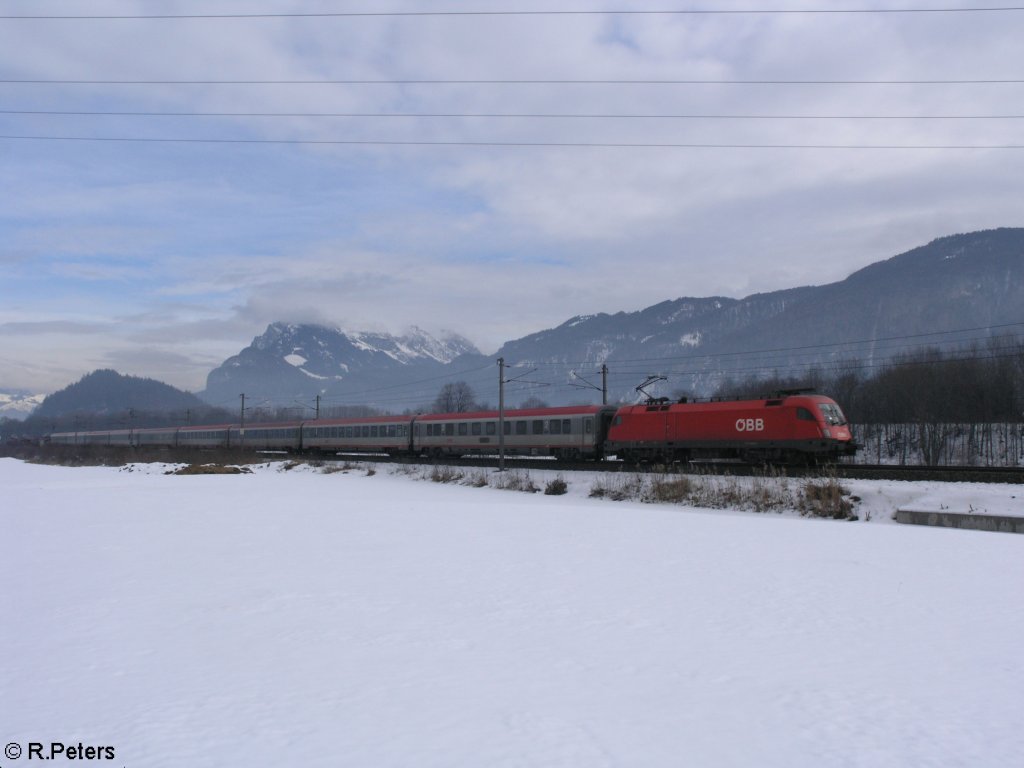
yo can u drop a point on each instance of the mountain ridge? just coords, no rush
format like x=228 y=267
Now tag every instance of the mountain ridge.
x=291 y=360
x=970 y=280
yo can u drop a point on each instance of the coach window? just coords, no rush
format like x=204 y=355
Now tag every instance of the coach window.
x=366 y=430
x=804 y=415
x=475 y=428
x=492 y=429
x=520 y=427
x=588 y=426
x=463 y=428
x=449 y=430
x=538 y=427
x=373 y=431
x=566 y=427
x=555 y=427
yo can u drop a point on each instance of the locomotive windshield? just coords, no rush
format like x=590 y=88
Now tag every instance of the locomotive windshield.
x=833 y=416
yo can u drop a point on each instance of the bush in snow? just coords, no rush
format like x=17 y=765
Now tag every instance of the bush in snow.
x=439 y=474
x=556 y=487
x=618 y=487
x=515 y=480
x=826 y=497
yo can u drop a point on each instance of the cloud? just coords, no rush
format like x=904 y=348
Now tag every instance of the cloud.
x=175 y=255
x=61 y=327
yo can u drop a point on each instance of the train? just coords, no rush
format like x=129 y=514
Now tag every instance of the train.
x=784 y=427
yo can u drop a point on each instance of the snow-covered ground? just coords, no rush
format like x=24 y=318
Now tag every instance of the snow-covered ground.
x=306 y=619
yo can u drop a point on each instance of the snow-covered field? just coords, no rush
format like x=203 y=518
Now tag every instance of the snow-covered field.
x=306 y=619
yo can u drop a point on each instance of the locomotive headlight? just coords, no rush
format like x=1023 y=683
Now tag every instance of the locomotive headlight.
x=826 y=432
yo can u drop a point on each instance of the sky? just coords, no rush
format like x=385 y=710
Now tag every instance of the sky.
x=540 y=186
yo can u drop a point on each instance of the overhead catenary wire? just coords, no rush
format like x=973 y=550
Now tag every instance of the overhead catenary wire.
x=502 y=144
x=519 y=12
x=825 y=345
x=619 y=372
x=516 y=81
x=845 y=367
x=793 y=372
x=501 y=115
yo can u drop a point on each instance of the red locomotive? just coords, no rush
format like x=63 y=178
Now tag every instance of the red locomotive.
x=788 y=426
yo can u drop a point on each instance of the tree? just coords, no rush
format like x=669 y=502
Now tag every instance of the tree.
x=455 y=397
x=533 y=402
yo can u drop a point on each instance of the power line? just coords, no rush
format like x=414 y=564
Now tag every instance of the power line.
x=610 y=12
x=622 y=369
x=625 y=368
x=803 y=347
x=499 y=115
x=517 y=81
x=442 y=377
x=847 y=367
x=504 y=144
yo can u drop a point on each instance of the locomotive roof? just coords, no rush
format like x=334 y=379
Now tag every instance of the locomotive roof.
x=731 y=402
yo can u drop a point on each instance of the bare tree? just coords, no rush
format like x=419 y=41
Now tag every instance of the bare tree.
x=533 y=402
x=455 y=397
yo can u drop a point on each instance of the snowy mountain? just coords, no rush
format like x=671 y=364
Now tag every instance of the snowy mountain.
x=302 y=361
x=968 y=281
x=18 y=404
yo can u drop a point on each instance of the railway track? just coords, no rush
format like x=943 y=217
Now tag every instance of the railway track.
x=948 y=474
x=852 y=471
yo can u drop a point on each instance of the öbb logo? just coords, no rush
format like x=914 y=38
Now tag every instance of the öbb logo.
x=750 y=425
